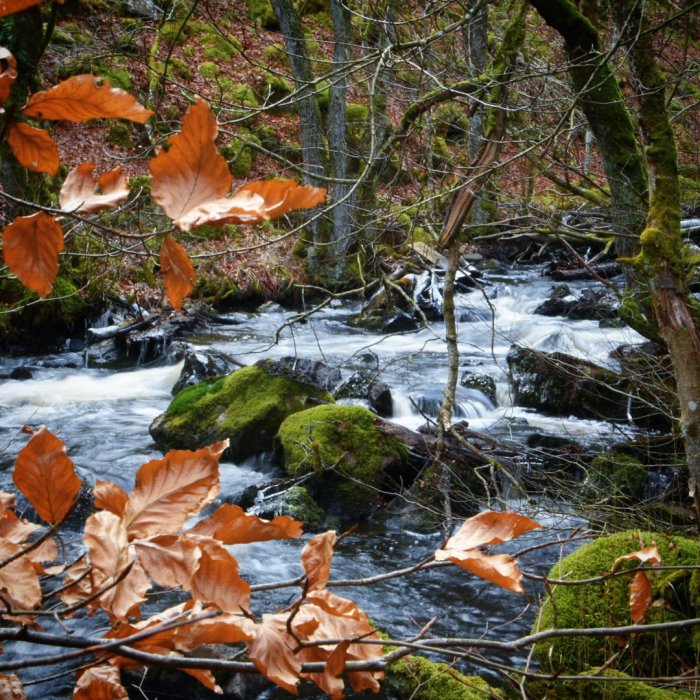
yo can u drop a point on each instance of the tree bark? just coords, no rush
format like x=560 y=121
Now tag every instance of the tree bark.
x=661 y=255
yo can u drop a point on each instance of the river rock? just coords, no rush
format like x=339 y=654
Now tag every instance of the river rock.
x=590 y=304
x=482 y=382
x=363 y=384
x=200 y=366
x=246 y=406
x=563 y=385
x=580 y=607
x=318 y=372
x=352 y=460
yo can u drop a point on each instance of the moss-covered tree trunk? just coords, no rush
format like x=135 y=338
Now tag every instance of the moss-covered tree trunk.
x=662 y=257
x=601 y=99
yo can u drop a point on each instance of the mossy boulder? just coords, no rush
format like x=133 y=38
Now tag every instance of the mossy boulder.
x=416 y=678
x=352 y=459
x=246 y=406
x=592 y=689
x=606 y=604
x=615 y=479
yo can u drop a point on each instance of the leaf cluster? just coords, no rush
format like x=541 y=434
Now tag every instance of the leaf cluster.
x=135 y=541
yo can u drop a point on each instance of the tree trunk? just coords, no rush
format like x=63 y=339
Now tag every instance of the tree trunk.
x=600 y=98
x=661 y=243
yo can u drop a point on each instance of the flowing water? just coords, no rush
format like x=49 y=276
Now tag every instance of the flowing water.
x=103 y=417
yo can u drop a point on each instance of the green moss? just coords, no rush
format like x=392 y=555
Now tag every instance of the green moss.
x=266 y=135
x=208 y=70
x=347 y=452
x=216 y=46
x=174 y=33
x=242 y=94
x=240 y=154
x=117 y=77
x=450 y=122
x=604 y=690
x=180 y=69
x=261 y=12
x=356 y=116
x=275 y=55
x=616 y=479
x=276 y=88
x=417 y=678
x=119 y=135
x=607 y=604
x=247 y=407
x=300 y=505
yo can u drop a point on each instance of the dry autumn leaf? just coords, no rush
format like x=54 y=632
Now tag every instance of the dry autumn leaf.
x=178 y=271
x=226 y=628
x=170 y=490
x=645 y=555
x=109 y=496
x=19 y=584
x=11 y=687
x=8 y=75
x=9 y=7
x=501 y=569
x=84 y=97
x=232 y=525
x=216 y=580
x=31 y=245
x=490 y=527
x=100 y=683
x=111 y=556
x=81 y=192
x=46 y=476
x=272 y=655
x=316 y=559
x=640 y=596
x=191 y=181
x=34 y=148
x=166 y=561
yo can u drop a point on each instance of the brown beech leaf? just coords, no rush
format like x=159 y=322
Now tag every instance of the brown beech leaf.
x=9 y=7
x=84 y=97
x=227 y=628
x=166 y=561
x=15 y=530
x=178 y=271
x=19 y=584
x=7 y=500
x=81 y=192
x=172 y=489
x=111 y=555
x=191 y=172
x=640 y=596
x=11 y=687
x=31 y=245
x=82 y=584
x=109 y=496
x=191 y=181
x=490 y=527
x=272 y=655
x=34 y=148
x=232 y=525
x=206 y=678
x=334 y=604
x=46 y=476
x=8 y=75
x=501 y=569
x=101 y=682
x=316 y=559
x=216 y=580
x=646 y=555
x=283 y=196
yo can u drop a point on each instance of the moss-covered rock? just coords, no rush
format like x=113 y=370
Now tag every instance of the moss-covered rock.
x=591 y=689
x=616 y=479
x=606 y=604
x=351 y=457
x=247 y=407
x=298 y=503
x=417 y=678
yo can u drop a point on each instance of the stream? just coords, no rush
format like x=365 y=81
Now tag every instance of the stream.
x=103 y=417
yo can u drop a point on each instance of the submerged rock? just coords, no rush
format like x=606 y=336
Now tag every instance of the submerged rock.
x=590 y=304
x=363 y=384
x=247 y=407
x=352 y=459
